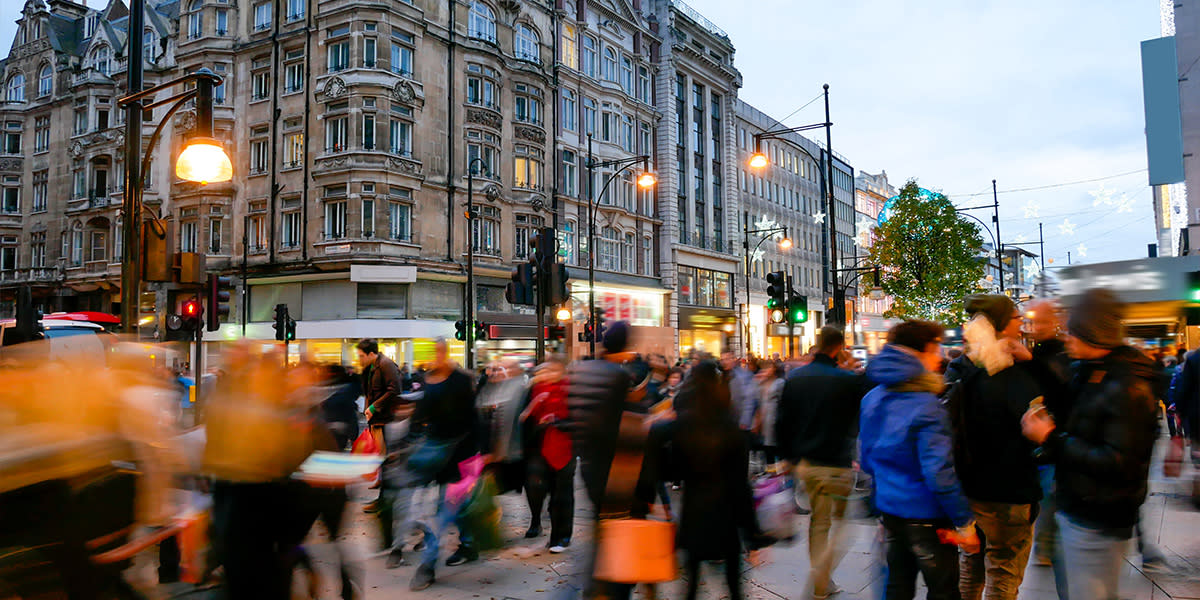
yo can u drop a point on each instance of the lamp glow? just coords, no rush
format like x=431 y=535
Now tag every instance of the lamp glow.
x=758 y=160
x=785 y=243
x=646 y=180
x=563 y=314
x=204 y=161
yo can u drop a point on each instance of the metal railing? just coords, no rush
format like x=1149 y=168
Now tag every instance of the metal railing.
x=695 y=15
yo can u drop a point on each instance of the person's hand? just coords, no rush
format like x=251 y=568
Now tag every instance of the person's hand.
x=547 y=419
x=1018 y=350
x=369 y=411
x=969 y=542
x=1036 y=425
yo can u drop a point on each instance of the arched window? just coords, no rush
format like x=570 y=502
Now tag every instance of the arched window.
x=15 y=88
x=100 y=59
x=148 y=39
x=77 y=243
x=610 y=65
x=45 y=80
x=195 y=20
x=481 y=22
x=525 y=44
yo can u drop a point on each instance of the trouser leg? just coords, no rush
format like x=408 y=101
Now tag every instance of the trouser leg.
x=1045 y=529
x=1091 y=560
x=828 y=488
x=1005 y=538
x=693 y=575
x=562 y=503
x=537 y=483
x=901 y=576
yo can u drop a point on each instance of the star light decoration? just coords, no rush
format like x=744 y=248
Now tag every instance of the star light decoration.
x=1067 y=227
x=1125 y=204
x=1082 y=250
x=819 y=218
x=1032 y=269
x=1020 y=239
x=1031 y=210
x=863 y=229
x=1102 y=196
x=757 y=255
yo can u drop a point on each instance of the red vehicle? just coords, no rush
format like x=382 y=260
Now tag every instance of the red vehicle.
x=110 y=322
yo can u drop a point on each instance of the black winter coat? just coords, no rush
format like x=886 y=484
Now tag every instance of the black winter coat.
x=446 y=411
x=993 y=459
x=818 y=413
x=596 y=397
x=1103 y=451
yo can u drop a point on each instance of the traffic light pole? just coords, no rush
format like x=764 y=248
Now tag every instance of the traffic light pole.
x=469 y=313
x=790 y=321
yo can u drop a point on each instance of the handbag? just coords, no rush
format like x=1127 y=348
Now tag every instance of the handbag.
x=630 y=550
x=1173 y=461
x=774 y=506
x=365 y=443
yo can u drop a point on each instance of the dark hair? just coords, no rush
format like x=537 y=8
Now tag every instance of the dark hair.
x=915 y=334
x=705 y=394
x=830 y=338
x=368 y=346
x=775 y=366
x=675 y=371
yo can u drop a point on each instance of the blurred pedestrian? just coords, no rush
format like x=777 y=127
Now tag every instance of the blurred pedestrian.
x=550 y=462
x=770 y=385
x=907 y=450
x=816 y=428
x=991 y=386
x=381 y=387
x=500 y=403
x=1102 y=452
x=744 y=393
x=1051 y=367
x=339 y=408
x=712 y=460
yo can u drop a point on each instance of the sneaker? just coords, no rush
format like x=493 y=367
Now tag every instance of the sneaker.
x=422 y=579
x=394 y=560
x=371 y=507
x=462 y=556
x=560 y=546
x=833 y=590
x=534 y=531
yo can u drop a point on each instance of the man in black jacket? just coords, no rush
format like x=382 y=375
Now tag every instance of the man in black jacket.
x=816 y=427
x=1052 y=367
x=995 y=384
x=1102 y=451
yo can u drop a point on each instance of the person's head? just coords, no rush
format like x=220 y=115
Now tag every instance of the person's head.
x=441 y=352
x=368 y=351
x=1094 y=326
x=922 y=337
x=769 y=370
x=674 y=376
x=728 y=362
x=550 y=371
x=830 y=341
x=1043 y=317
x=334 y=373
x=709 y=397
x=999 y=310
x=616 y=337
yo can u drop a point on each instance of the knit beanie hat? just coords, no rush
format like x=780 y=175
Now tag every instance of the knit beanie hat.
x=998 y=308
x=616 y=337
x=1095 y=319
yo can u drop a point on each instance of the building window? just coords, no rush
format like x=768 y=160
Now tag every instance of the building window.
x=149 y=40
x=400 y=137
x=702 y=287
x=589 y=56
x=485 y=147
x=570 y=50
x=8 y=258
x=291 y=229
x=16 y=88
x=293 y=73
x=368 y=132
x=258 y=156
x=99 y=246
x=525 y=44
x=261 y=85
x=100 y=60
x=402 y=53
x=627 y=75
x=40 y=189
x=293 y=150
x=335 y=135
x=566 y=242
x=12 y=137
x=481 y=86
x=335 y=220
x=527 y=227
x=628 y=139
x=188 y=236
x=643 y=90
x=485 y=231
x=400 y=215
x=258 y=233
x=589 y=116
x=528 y=104
x=77 y=244
x=610 y=65
x=570 y=174
x=81 y=121
x=295 y=10
x=647 y=256
x=222 y=21
x=45 y=81
x=609 y=253
x=481 y=22
x=262 y=16
x=527 y=168
x=338 y=54
x=37 y=250
x=368 y=218
x=10 y=196
x=570 y=111
x=196 y=20
x=608 y=123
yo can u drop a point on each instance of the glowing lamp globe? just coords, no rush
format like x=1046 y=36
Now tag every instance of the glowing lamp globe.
x=204 y=161
x=785 y=243
x=646 y=180
x=563 y=314
x=758 y=160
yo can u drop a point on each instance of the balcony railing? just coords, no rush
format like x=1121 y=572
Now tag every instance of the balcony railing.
x=714 y=243
x=262 y=26
x=29 y=274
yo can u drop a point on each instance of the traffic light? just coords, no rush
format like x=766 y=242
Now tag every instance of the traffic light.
x=557 y=289
x=598 y=325
x=797 y=309
x=481 y=331
x=284 y=324
x=191 y=314
x=220 y=290
x=589 y=331
x=1193 y=290
x=460 y=330
x=520 y=289
x=777 y=291
x=777 y=315
x=556 y=333
x=545 y=246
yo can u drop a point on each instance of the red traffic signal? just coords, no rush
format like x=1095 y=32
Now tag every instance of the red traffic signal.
x=191 y=308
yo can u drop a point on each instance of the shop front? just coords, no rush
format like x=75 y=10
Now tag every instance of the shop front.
x=642 y=307
x=707 y=320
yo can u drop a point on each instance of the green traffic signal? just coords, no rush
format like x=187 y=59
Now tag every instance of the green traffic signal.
x=799 y=315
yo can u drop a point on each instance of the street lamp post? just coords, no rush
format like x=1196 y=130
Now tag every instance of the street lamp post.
x=469 y=313
x=995 y=206
x=645 y=181
x=766 y=234
x=203 y=159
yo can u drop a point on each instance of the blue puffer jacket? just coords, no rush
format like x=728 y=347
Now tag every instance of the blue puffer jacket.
x=906 y=442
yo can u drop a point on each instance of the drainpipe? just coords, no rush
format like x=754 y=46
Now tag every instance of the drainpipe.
x=450 y=129
x=308 y=96
x=274 y=144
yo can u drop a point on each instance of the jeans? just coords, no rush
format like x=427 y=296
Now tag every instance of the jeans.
x=828 y=488
x=542 y=479
x=1089 y=560
x=1005 y=533
x=1045 y=530
x=433 y=532
x=912 y=547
